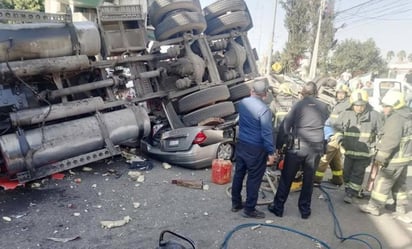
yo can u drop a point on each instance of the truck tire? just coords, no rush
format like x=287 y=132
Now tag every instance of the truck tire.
x=238 y=20
x=202 y=97
x=219 y=110
x=219 y=8
x=160 y=8
x=178 y=23
x=240 y=91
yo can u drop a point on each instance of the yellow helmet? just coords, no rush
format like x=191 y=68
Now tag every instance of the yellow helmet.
x=342 y=88
x=394 y=98
x=359 y=97
x=285 y=88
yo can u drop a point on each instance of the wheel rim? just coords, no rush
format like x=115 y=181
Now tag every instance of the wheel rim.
x=225 y=151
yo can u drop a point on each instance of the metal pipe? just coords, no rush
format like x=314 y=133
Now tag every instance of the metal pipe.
x=46 y=66
x=83 y=88
x=54 y=112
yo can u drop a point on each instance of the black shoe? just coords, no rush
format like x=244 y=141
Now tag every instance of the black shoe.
x=305 y=215
x=253 y=214
x=237 y=208
x=272 y=209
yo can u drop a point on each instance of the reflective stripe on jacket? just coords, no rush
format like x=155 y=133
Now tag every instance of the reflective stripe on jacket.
x=358 y=132
x=395 y=145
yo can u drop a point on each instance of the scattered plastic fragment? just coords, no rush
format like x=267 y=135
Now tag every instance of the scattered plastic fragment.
x=64 y=240
x=76 y=214
x=136 y=204
x=205 y=187
x=134 y=175
x=35 y=185
x=57 y=176
x=166 y=165
x=116 y=223
x=87 y=169
x=269 y=221
x=5 y=218
x=255 y=227
x=8 y=184
x=77 y=180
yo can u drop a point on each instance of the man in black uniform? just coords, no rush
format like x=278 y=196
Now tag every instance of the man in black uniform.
x=304 y=125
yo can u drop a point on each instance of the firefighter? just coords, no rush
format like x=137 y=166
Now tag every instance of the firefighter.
x=393 y=157
x=304 y=125
x=356 y=130
x=333 y=156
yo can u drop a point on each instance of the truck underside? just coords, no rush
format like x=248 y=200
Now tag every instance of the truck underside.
x=73 y=92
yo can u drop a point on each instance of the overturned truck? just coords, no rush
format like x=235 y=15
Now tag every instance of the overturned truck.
x=62 y=82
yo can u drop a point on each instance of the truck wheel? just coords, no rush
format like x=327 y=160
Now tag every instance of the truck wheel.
x=240 y=91
x=219 y=8
x=239 y=20
x=202 y=97
x=160 y=8
x=180 y=22
x=218 y=110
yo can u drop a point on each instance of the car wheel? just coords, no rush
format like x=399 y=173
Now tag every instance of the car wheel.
x=219 y=8
x=160 y=8
x=225 y=151
x=239 y=20
x=180 y=22
x=203 y=97
x=218 y=110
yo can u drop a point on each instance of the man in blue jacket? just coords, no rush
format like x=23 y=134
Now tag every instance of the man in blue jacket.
x=254 y=149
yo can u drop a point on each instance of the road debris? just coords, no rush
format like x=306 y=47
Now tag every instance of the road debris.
x=269 y=221
x=5 y=218
x=116 y=223
x=77 y=180
x=195 y=184
x=134 y=175
x=255 y=227
x=35 y=185
x=87 y=169
x=166 y=165
x=136 y=204
x=64 y=240
x=205 y=187
x=57 y=176
x=76 y=214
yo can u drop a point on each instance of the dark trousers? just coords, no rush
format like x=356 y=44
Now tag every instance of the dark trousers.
x=251 y=160
x=307 y=157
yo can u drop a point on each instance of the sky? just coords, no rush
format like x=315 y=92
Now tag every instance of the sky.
x=387 y=22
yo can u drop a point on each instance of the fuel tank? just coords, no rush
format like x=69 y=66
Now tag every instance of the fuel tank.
x=35 y=148
x=46 y=40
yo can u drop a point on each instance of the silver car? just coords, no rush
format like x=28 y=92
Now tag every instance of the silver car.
x=192 y=147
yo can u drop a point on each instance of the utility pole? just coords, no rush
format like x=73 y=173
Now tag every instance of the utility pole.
x=272 y=38
x=314 y=60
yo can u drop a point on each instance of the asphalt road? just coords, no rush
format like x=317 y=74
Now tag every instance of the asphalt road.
x=72 y=208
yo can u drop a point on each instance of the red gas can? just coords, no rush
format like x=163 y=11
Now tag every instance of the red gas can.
x=221 y=171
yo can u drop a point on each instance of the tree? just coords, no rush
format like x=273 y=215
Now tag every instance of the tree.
x=389 y=55
x=401 y=55
x=410 y=57
x=358 y=57
x=35 y=5
x=297 y=22
x=301 y=21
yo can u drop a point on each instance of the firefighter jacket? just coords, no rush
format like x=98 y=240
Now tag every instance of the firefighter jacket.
x=280 y=106
x=339 y=107
x=358 y=132
x=395 y=145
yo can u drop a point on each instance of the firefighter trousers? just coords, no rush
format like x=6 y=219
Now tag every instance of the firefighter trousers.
x=332 y=158
x=390 y=181
x=354 y=173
